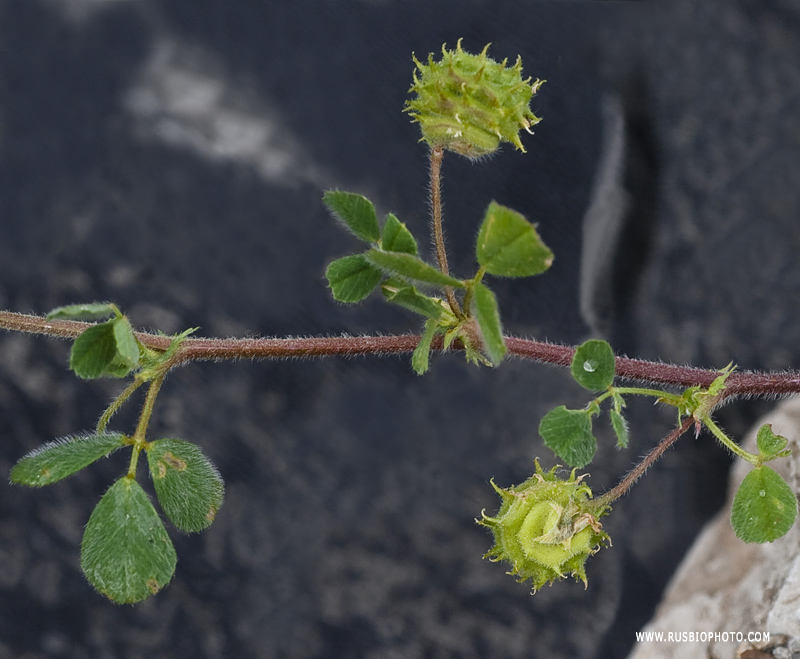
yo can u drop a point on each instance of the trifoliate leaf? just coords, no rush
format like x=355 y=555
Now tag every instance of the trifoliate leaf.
x=568 y=433
x=397 y=238
x=764 y=507
x=410 y=298
x=56 y=460
x=352 y=278
x=126 y=553
x=593 y=365
x=508 y=245
x=92 y=311
x=410 y=267
x=356 y=212
x=188 y=485
x=484 y=304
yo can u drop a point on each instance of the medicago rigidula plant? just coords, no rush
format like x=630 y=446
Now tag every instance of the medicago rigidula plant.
x=547 y=526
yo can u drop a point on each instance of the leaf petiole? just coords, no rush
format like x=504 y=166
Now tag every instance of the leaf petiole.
x=728 y=442
x=112 y=409
x=662 y=396
x=139 y=441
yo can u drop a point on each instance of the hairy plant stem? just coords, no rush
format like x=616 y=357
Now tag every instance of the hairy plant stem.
x=738 y=383
x=638 y=471
x=437 y=153
x=111 y=410
x=726 y=441
x=139 y=441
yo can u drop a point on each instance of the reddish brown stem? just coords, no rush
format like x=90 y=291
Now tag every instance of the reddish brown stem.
x=437 y=153
x=193 y=349
x=638 y=471
x=738 y=384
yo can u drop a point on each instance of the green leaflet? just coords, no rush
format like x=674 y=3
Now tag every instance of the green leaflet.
x=568 y=433
x=106 y=349
x=356 y=212
x=764 y=507
x=188 y=485
x=620 y=426
x=508 y=245
x=58 y=459
x=397 y=238
x=410 y=298
x=770 y=445
x=352 y=278
x=127 y=346
x=410 y=267
x=488 y=316
x=126 y=553
x=593 y=365
x=419 y=360
x=91 y=311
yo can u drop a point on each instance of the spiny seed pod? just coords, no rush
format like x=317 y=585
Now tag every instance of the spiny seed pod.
x=546 y=528
x=470 y=103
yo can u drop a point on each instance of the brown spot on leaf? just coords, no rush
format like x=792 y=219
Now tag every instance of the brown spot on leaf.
x=162 y=469
x=152 y=585
x=211 y=514
x=174 y=462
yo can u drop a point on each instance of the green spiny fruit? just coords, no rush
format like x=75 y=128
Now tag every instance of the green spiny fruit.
x=546 y=528
x=470 y=103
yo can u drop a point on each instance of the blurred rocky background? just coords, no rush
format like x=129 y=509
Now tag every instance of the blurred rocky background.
x=170 y=155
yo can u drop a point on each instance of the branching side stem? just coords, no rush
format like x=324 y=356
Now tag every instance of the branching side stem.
x=638 y=471
x=111 y=410
x=139 y=436
x=437 y=153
